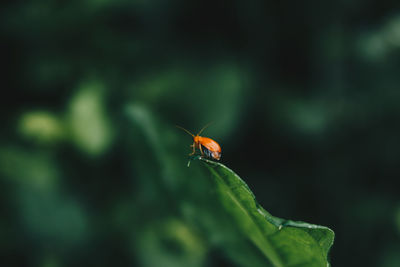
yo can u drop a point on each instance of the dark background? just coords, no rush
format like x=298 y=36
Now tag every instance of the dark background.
x=304 y=99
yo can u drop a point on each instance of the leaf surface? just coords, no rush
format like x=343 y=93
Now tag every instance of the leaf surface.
x=282 y=242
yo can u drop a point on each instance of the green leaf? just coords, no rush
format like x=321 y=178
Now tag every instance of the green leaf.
x=282 y=242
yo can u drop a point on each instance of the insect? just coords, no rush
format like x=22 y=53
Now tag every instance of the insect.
x=207 y=146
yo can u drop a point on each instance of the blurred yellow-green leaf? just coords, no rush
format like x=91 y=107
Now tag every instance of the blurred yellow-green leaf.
x=88 y=121
x=42 y=127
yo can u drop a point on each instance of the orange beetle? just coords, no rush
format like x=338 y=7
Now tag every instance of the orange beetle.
x=207 y=146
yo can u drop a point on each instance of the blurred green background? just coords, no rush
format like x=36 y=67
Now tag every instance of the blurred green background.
x=304 y=97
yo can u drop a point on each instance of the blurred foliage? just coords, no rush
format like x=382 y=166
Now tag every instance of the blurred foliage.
x=304 y=99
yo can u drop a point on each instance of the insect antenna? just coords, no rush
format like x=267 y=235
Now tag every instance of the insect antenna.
x=184 y=130
x=208 y=124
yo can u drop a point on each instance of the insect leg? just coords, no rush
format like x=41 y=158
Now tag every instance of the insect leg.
x=201 y=150
x=194 y=150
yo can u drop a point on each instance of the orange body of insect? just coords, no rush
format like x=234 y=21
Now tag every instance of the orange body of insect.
x=207 y=146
